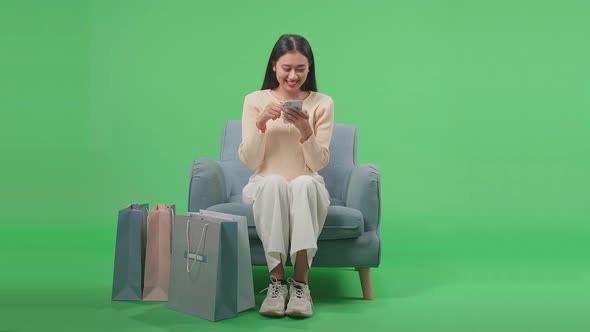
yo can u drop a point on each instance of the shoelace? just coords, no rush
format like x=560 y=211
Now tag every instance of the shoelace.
x=299 y=292
x=299 y=289
x=274 y=286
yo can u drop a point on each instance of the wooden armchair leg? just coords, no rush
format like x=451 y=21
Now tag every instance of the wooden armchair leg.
x=366 y=283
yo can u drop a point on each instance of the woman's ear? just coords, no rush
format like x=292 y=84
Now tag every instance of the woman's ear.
x=274 y=66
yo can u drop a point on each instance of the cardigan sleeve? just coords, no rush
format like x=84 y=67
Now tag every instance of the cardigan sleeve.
x=251 y=150
x=316 y=149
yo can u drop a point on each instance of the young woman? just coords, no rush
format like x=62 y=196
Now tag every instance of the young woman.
x=287 y=148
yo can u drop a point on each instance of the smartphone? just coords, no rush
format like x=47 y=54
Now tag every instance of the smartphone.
x=293 y=104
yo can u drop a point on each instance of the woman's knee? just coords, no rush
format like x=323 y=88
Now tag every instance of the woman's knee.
x=275 y=183
x=275 y=179
x=303 y=182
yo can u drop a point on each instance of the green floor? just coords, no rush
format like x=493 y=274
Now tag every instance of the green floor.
x=429 y=280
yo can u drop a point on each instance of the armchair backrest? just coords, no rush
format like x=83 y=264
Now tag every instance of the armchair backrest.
x=336 y=173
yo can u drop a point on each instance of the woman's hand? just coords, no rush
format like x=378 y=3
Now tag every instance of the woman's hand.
x=300 y=119
x=272 y=111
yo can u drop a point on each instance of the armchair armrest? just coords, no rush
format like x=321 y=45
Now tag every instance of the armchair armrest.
x=364 y=194
x=207 y=184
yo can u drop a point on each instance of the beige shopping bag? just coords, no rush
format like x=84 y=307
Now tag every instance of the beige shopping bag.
x=158 y=250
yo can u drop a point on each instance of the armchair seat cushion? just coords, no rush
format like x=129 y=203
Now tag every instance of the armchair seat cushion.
x=342 y=222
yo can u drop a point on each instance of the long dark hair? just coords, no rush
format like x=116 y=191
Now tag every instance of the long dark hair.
x=290 y=43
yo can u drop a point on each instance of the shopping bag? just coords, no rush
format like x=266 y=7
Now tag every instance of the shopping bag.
x=245 y=280
x=157 y=256
x=130 y=253
x=203 y=267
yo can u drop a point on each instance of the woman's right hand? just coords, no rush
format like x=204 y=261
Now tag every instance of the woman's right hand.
x=272 y=111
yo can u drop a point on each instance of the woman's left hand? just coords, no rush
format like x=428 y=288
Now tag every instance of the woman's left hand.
x=300 y=119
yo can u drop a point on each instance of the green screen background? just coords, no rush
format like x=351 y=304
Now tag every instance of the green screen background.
x=475 y=111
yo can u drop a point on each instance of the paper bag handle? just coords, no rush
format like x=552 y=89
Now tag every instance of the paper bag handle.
x=188 y=222
x=172 y=216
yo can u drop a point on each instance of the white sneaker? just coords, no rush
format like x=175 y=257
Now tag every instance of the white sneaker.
x=276 y=299
x=300 y=300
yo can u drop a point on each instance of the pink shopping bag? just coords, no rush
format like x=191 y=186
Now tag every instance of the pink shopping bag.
x=158 y=249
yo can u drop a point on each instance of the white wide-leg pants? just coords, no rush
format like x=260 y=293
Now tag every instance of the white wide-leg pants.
x=287 y=213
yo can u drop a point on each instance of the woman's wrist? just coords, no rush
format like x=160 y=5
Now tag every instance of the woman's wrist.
x=305 y=136
x=261 y=127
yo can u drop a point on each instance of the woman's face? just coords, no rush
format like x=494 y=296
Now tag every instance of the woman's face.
x=291 y=70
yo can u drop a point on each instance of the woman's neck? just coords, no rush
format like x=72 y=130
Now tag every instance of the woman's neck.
x=283 y=95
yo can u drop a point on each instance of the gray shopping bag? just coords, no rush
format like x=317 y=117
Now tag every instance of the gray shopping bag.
x=203 y=267
x=130 y=253
x=245 y=280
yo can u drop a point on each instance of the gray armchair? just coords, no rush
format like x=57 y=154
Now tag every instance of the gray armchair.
x=350 y=237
